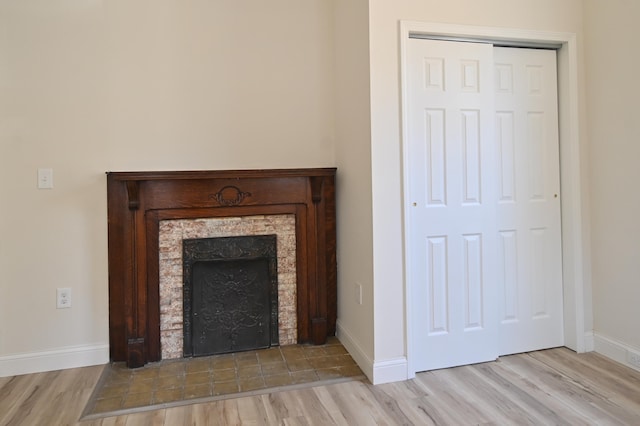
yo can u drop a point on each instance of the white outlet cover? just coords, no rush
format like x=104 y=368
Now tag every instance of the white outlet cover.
x=63 y=298
x=633 y=358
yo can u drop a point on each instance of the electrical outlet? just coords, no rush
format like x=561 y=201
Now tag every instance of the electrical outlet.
x=633 y=358
x=63 y=298
x=358 y=293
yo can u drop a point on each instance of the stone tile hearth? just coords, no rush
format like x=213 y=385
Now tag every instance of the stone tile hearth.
x=191 y=380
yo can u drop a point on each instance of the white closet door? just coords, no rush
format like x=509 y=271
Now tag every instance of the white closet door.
x=530 y=253
x=484 y=260
x=452 y=203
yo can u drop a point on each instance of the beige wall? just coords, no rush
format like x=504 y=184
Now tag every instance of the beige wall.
x=353 y=156
x=612 y=65
x=91 y=86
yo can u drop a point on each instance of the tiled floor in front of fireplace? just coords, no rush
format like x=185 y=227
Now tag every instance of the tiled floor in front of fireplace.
x=173 y=382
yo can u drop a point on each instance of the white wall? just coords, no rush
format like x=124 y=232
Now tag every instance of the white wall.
x=92 y=86
x=612 y=65
x=549 y=15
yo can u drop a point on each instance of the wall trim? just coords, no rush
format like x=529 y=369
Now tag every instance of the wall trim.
x=616 y=350
x=390 y=370
x=575 y=262
x=378 y=372
x=589 y=341
x=355 y=350
x=58 y=359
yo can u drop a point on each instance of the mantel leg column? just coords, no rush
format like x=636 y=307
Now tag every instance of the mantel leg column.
x=319 y=278
x=135 y=298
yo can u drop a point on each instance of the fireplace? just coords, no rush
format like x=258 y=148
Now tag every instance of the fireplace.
x=172 y=234
x=139 y=203
x=230 y=294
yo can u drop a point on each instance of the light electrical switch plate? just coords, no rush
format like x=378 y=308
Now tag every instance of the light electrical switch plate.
x=45 y=178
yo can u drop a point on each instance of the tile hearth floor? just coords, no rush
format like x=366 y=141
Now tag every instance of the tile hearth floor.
x=175 y=381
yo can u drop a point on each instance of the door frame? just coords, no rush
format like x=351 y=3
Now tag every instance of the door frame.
x=573 y=250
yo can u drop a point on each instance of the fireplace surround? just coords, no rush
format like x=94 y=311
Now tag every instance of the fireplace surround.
x=138 y=201
x=172 y=235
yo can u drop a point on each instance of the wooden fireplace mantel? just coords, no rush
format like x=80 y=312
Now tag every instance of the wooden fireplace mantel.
x=138 y=201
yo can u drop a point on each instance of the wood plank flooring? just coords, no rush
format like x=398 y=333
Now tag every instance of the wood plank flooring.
x=552 y=387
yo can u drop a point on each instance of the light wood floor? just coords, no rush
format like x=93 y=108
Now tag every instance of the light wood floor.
x=553 y=387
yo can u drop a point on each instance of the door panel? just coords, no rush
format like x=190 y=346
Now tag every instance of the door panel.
x=453 y=213
x=529 y=206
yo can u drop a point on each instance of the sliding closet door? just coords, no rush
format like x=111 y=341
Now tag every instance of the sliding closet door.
x=485 y=265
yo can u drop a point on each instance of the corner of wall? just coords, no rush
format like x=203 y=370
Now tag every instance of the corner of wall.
x=617 y=351
x=390 y=370
x=378 y=372
x=355 y=350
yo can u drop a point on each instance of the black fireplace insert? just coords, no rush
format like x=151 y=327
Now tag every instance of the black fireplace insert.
x=230 y=294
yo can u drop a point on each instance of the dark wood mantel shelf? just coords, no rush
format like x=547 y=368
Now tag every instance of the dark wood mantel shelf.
x=138 y=201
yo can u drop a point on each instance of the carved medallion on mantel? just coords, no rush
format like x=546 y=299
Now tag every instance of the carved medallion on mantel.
x=230 y=196
x=138 y=201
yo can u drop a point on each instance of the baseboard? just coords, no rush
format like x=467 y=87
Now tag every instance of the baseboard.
x=390 y=370
x=378 y=372
x=617 y=351
x=59 y=359
x=589 y=342
x=357 y=353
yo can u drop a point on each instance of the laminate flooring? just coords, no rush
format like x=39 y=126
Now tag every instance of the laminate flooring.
x=551 y=387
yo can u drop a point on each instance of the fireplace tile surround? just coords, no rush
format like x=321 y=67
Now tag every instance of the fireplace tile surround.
x=141 y=203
